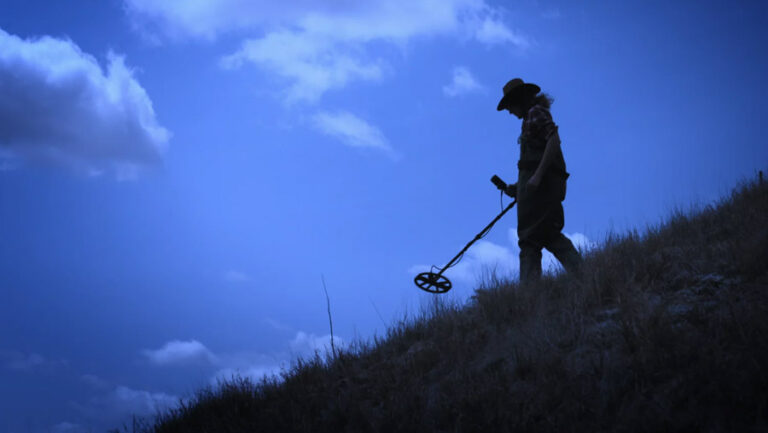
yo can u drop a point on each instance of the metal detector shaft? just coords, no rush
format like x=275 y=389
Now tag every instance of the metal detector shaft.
x=436 y=282
x=477 y=237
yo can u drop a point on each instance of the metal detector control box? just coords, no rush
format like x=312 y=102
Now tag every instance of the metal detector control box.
x=500 y=184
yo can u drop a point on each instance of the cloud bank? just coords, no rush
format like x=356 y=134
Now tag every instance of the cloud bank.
x=318 y=46
x=59 y=107
x=111 y=407
x=180 y=352
x=29 y=362
x=141 y=402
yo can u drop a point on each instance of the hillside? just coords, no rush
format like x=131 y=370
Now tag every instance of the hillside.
x=667 y=330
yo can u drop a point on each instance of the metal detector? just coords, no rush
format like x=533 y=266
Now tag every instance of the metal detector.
x=436 y=282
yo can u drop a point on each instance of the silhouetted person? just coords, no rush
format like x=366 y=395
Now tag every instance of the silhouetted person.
x=541 y=181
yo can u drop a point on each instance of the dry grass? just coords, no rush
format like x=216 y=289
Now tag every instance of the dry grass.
x=665 y=331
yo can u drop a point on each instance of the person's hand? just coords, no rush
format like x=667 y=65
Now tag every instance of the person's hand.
x=511 y=190
x=533 y=182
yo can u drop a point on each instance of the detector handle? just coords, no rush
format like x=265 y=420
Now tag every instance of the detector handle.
x=500 y=184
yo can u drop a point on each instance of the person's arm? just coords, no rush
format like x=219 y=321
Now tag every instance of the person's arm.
x=552 y=148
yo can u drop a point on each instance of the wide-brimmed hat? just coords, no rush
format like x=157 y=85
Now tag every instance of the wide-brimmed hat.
x=516 y=90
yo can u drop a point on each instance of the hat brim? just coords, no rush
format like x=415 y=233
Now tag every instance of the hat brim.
x=527 y=89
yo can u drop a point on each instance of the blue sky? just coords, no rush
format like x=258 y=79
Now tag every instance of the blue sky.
x=175 y=178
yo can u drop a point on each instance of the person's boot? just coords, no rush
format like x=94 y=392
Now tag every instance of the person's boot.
x=566 y=254
x=530 y=265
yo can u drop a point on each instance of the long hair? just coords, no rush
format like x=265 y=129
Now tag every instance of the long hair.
x=543 y=99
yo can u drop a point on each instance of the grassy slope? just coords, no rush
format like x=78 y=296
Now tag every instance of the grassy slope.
x=666 y=331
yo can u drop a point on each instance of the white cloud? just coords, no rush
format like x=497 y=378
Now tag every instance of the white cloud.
x=112 y=406
x=463 y=82
x=581 y=241
x=342 y=19
x=307 y=344
x=59 y=107
x=482 y=257
x=237 y=277
x=252 y=365
x=95 y=382
x=351 y=130
x=206 y=19
x=319 y=46
x=257 y=365
x=493 y=31
x=486 y=255
x=244 y=364
x=312 y=65
x=180 y=352
x=139 y=402
x=29 y=362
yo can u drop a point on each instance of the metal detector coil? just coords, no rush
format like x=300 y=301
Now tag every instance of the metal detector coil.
x=436 y=282
x=432 y=282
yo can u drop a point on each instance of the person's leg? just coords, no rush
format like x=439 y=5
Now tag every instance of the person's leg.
x=530 y=262
x=565 y=252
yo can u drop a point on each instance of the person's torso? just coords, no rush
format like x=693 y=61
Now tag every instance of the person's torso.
x=535 y=130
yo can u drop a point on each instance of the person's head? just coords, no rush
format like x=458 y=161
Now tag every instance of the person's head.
x=521 y=106
x=519 y=97
x=518 y=108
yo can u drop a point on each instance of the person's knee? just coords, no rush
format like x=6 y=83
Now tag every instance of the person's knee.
x=528 y=246
x=565 y=252
x=530 y=254
x=571 y=260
